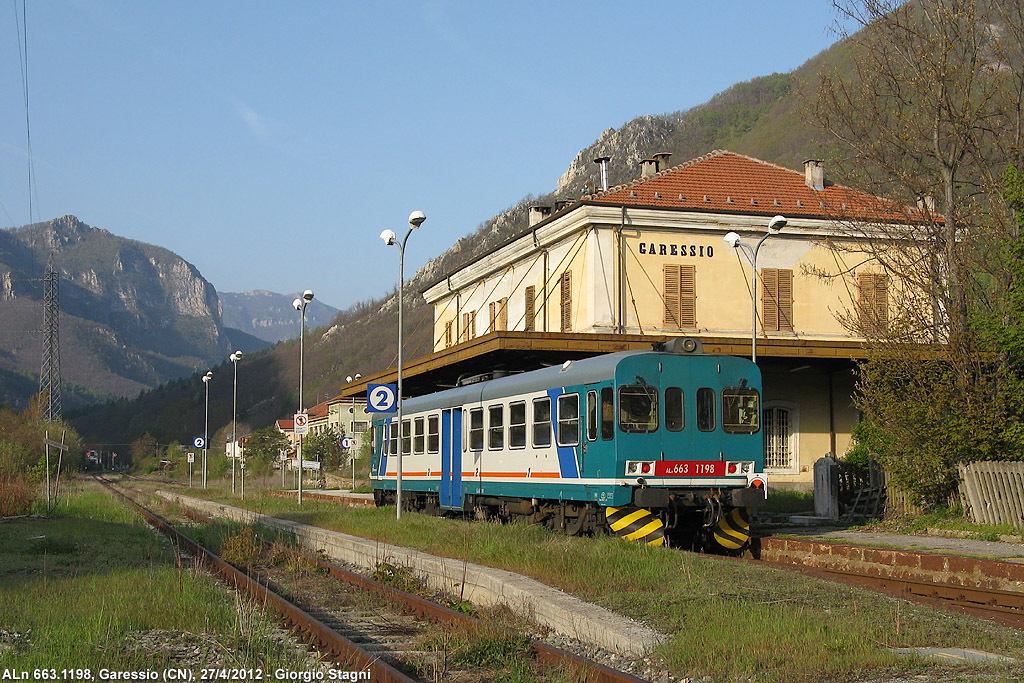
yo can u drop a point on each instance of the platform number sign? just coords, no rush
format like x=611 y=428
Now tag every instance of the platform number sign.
x=199 y=442
x=381 y=398
x=301 y=423
x=348 y=443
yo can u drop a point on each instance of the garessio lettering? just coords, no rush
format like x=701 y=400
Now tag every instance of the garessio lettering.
x=698 y=250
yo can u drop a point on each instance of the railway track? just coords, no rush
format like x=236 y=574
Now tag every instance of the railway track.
x=360 y=635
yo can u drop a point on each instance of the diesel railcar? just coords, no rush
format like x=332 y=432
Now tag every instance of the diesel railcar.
x=650 y=445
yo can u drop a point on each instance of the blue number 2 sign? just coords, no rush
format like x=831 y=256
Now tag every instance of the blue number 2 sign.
x=381 y=398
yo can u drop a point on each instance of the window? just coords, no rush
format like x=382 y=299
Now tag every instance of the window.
x=566 y=293
x=680 y=296
x=417 y=437
x=777 y=300
x=591 y=416
x=607 y=414
x=499 y=314
x=541 y=422
x=359 y=426
x=448 y=334
x=496 y=427
x=706 y=409
x=568 y=419
x=393 y=437
x=779 y=437
x=433 y=438
x=638 y=409
x=531 y=308
x=469 y=325
x=873 y=304
x=517 y=425
x=406 y=437
x=476 y=429
x=741 y=410
x=674 y=409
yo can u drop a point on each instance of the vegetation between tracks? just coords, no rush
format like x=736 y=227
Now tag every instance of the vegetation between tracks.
x=726 y=619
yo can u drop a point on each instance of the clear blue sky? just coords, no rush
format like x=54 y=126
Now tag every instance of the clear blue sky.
x=269 y=143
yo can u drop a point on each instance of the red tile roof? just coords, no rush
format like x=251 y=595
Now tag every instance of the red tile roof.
x=728 y=182
x=286 y=425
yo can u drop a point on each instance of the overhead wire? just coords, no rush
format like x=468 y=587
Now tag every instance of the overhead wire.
x=21 y=23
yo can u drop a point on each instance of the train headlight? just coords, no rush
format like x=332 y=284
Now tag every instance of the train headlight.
x=639 y=467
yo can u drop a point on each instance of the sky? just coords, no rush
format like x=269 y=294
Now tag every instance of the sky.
x=269 y=142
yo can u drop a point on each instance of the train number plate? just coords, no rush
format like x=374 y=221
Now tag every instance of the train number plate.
x=689 y=468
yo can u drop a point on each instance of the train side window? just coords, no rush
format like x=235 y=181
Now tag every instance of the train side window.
x=741 y=410
x=568 y=419
x=706 y=409
x=541 y=422
x=433 y=434
x=674 y=409
x=418 y=436
x=591 y=416
x=406 y=437
x=496 y=427
x=638 y=409
x=476 y=429
x=607 y=414
x=517 y=425
x=393 y=438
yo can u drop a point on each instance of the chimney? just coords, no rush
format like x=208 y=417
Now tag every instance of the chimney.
x=538 y=213
x=603 y=161
x=661 y=160
x=814 y=174
x=562 y=203
x=648 y=167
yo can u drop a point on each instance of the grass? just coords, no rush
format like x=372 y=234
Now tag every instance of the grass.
x=82 y=589
x=947 y=520
x=791 y=502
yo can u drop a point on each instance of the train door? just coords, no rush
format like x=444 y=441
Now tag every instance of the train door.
x=451 y=459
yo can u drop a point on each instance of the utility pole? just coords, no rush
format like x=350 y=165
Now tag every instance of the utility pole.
x=49 y=374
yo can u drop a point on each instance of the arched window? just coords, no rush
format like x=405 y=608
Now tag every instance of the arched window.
x=780 y=436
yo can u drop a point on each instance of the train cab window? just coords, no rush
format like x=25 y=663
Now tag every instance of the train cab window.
x=476 y=429
x=591 y=416
x=741 y=410
x=433 y=438
x=517 y=425
x=674 y=409
x=418 y=439
x=638 y=409
x=496 y=427
x=406 y=437
x=607 y=414
x=392 y=438
x=541 y=422
x=568 y=419
x=706 y=409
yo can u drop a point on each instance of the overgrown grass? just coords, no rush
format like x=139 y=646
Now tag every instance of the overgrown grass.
x=78 y=587
x=789 y=501
x=726 y=619
x=947 y=520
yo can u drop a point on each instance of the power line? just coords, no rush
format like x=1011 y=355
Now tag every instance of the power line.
x=21 y=24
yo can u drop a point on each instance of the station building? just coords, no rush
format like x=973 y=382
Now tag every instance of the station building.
x=655 y=259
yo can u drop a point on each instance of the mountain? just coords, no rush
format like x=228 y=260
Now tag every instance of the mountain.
x=132 y=315
x=763 y=118
x=270 y=316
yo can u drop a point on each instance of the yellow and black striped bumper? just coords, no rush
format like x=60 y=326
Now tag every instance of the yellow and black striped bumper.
x=636 y=524
x=733 y=531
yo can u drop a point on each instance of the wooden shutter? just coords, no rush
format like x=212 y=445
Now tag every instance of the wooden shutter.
x=777 y=300
x=873 y=307
x=671 y=317
x=786 y=300
x=448 y=334
x=471 y=328
x=566 y=292
x=493 y=309
x=688 y=296
x=503 y=313
x=531 y=310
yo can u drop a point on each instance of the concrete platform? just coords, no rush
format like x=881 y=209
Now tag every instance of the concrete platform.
x=563 y=613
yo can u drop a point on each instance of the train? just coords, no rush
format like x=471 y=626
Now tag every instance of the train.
x=663 y=447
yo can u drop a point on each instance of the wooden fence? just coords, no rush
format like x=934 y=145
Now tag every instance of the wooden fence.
x=993 y=492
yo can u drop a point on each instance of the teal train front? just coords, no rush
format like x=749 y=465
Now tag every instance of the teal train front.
x=658 y=446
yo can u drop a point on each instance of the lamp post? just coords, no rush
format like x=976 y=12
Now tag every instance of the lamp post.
x=206 y=429
x=300 y=306
x=235 y=357
x=733 y=239
x=416 y=219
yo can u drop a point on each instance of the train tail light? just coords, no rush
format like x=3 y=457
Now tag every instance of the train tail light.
x=635 y=467
x=739 y=467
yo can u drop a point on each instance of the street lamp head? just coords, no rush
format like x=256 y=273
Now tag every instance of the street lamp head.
x=416 y=219
x=307 y=296
x=297 y=304
x=349 y=378
x=389 y=237
x=777 y=224
x=207 y=377
x=732 y=239
x=236 y=356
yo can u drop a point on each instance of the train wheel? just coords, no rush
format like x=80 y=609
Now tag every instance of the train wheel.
x=636 y=524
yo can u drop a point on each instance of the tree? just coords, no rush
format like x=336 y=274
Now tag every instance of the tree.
x=325 y=447
x=928 y=117
x=263 y=448
x=145 y=453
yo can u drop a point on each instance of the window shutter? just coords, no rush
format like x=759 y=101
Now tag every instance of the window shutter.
x=688 y=296
x=503 y=313
x=770 y=299
x=874 y=302
x=785 y=300
x=448 y=334
x=671 y=318
x=493 y=308
x=567 y=298
x=472 y=325
x=531 y=303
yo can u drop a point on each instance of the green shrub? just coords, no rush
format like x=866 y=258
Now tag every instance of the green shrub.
x=16 y=495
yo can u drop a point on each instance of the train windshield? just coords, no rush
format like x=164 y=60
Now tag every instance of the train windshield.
x=741 y=410
x=638 y=409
